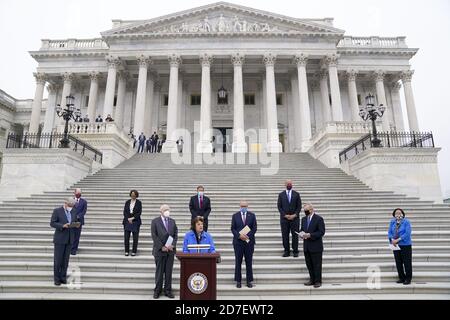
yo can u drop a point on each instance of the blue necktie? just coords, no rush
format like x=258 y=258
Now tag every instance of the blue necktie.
x=307 y=223
x=69 y=218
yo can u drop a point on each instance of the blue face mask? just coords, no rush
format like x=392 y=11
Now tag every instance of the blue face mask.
x=244 y=210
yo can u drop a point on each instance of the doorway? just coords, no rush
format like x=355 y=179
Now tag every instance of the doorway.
x=222 y=141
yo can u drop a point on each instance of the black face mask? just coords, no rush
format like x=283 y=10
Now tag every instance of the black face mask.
x=307 y=212
x=289 y=187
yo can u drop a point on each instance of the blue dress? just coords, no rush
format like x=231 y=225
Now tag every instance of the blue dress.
x=205 y=238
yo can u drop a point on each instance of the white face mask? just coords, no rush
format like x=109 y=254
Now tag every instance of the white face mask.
x=166 y=213
x=69 y=209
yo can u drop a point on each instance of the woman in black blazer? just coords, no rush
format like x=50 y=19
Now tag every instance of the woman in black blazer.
x=132 y=221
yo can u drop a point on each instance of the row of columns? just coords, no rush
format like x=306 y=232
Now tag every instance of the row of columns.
x=329 y=73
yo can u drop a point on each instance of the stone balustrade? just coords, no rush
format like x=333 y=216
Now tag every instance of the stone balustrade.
x=374 y=42
x=73 y=44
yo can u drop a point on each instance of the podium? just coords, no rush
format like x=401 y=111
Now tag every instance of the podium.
x=198 y=276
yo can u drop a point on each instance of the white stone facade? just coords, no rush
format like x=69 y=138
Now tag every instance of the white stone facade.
x=287 y=75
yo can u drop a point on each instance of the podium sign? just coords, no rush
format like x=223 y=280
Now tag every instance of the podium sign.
x=198 y=276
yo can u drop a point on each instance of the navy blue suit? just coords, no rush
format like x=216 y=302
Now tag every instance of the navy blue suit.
x=63 y=240
x=289 y=226
x=132 y=227
x=81 y=207
x=242 y=248
x=313 y=247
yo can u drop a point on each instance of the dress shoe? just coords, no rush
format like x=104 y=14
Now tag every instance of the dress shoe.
x=317 y=284
x=126 y=254
x=64 y=281
x=296 y=255
x=73 y=253
x=133 y=254
x=156 y=295
x=400 y=281
x=407 y=282
x=249 y=285
x=169 y=294
x=286 y=254
x=57 y=283
x=238 y=285
x=309 y=283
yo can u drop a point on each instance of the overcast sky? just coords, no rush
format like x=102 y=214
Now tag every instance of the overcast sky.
x=426 y=24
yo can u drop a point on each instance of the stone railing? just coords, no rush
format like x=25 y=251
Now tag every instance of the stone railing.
x=95 y=129
x=372 y=42
x=347 y=127
x=73 y=44
x=7 y=100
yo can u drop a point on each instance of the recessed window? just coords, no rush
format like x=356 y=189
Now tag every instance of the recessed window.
x=165 y=100
x=359 y=100
x=222 y=100
x=249 y=99
x=195 y=99
x=86 y=101
x=115 y=101
x=279 y=99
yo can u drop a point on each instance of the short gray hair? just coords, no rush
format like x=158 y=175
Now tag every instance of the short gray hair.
x=164 y=208
x=70 y=201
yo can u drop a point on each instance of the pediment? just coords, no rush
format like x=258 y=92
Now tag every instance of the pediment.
x=220 y=19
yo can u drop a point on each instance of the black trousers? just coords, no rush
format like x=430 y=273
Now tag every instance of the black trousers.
x=403 y=262
x=61 y=261
x=290 y=227
x=163 y=274
x=135 y=240
x=155 y=147
x=314 y=264
x=242 y=250
x=76 y=242
x=141 y=148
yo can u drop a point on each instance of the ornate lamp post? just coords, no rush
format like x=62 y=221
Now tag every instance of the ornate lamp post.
x=222 y=92
x=68 y=113
x=372 y=112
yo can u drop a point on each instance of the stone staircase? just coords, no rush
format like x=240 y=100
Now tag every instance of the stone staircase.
x=356 y=243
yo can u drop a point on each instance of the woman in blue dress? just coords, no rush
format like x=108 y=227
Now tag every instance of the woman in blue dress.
x=198 y=236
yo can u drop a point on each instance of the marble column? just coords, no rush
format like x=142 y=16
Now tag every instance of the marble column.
x=397 y=106
x=49 y=121
x=381 y=94
x=205 y=145
x=172 y=108
x=239 y=145
x=273 y=143
x=325 y=98
x=336 y=104
x=353 y=94
x=113 y=64
x=151 y=77
x=296 y=112
x=93 y=96
x=141 y=91
x=66 y=91
x=305 y=113
x=406 y=77
x=120 y=105
x=37 y=102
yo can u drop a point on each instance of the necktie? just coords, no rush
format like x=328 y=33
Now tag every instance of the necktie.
x=289 y=196
x=308 y=220
x=69 y=218
x=243 y=217
x=166 y=224
x=201 y=202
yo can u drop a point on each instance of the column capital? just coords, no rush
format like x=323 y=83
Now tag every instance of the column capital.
x=113 y=62
x=331 y=60
x=68 y=76
x=300 y=60
x=396 y=86
x=157 y=86
x=351 y=74
x=40 y=77
x=269 y=59
x=123 y=75
x=322 y=74
x=94 y=75
x=237 y=59
x=53 y=87
x=206 y=59
x=144 y=61
x=406 y=76
x=174 y=60
x=378 y=75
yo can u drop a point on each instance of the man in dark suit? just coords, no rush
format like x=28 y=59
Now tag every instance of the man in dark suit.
x=243 y=244
x=162 y=228
x=81 y=206
x=200 y=205
x=63 y=239
x=289 y=206
x=141 y=141
x=312 y=231
x=155 y=142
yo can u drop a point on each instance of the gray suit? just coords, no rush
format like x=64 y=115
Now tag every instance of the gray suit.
x=164 y=260
x=63 y=240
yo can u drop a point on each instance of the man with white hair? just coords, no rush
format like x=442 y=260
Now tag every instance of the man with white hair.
x=81 y=206
x=64 y=220
x=165 y=235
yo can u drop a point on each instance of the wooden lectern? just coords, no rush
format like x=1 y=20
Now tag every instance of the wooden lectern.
x=198 y=276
